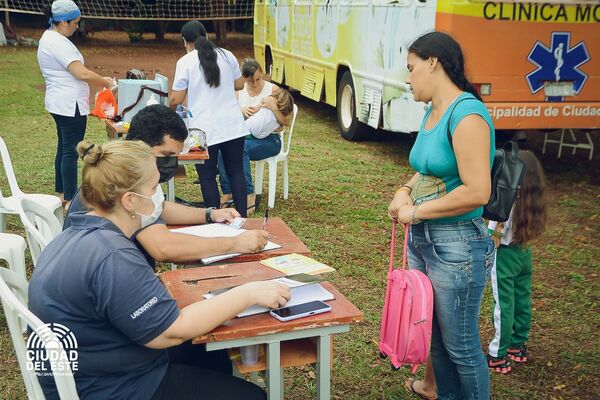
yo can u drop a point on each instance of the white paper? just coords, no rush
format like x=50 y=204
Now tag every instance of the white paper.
x=300 y=295
x=218 y=230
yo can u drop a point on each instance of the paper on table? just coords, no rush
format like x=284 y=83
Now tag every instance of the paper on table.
x=218 y=230
x=300 y=295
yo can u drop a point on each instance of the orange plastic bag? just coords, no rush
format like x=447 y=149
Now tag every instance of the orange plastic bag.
x=106 y=105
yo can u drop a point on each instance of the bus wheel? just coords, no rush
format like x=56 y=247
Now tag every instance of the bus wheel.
x=350 y=127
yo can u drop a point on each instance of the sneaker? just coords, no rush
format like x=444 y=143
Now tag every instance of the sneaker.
x=499 y=364
x=518 y=354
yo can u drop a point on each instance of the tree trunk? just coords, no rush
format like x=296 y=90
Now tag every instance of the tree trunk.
x=221 y=32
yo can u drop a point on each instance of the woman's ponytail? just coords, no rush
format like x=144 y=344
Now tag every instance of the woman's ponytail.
x=207 y=55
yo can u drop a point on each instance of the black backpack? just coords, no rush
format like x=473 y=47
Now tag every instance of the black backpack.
x=508 y=171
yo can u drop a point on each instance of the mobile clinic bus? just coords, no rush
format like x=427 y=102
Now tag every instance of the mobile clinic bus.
x=535 y=64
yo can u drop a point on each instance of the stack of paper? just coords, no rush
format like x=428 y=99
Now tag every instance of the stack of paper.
x=301 y=293
x=291 y=264
x=218 y=230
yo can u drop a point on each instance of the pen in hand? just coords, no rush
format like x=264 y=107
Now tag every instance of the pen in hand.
x=266 y=219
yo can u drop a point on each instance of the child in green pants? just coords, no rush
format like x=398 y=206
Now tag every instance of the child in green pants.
x=511 y=274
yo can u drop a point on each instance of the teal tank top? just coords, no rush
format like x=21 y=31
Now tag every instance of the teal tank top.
x=434 y=159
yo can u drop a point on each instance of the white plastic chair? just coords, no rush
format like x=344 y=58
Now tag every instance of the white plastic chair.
x=272 y=162
x=14 y=311
x=41 y=226
x=9 y=205
x=12 y=249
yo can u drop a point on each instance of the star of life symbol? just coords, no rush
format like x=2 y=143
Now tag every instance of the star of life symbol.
x=558 y=63
x=52 y=349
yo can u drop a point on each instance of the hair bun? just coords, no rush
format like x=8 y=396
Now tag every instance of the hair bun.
x=89 y=152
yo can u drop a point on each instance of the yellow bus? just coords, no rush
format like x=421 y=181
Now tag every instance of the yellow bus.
x=536 y=64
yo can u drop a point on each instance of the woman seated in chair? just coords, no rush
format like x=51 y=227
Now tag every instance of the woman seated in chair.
x=95 y=281
x=264 y=141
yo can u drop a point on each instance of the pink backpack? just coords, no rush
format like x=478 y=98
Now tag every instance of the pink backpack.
x=407 y=313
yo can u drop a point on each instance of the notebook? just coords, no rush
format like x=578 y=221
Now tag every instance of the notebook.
x=294 y=263
x=218 y=230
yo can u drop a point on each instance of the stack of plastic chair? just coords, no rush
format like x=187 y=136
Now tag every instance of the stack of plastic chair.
x=9 y=205
x=13 y=287
x=272 y=162
x=41 y=226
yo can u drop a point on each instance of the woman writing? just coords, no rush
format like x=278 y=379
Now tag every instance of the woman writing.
x=95 y=281
x=67 y=91
x=208 y=77
x=443 y=203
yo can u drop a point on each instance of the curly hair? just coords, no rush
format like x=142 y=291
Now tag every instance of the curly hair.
x=529 y=210
x=152 y=123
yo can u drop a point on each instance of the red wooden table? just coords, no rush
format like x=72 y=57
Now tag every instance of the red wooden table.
x=188 y=285
x=280 y=234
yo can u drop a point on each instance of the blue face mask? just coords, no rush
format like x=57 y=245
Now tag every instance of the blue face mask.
x=158 y=198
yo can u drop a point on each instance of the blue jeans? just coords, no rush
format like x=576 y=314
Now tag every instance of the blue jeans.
x=457 y=257
x=254 y=149
x=70 y=131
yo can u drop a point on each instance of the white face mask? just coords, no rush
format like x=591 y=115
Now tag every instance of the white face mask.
x=158 y=198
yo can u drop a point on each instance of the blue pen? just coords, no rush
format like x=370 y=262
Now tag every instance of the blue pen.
x=190 y=113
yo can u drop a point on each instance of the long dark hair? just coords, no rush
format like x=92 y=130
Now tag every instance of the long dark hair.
x=443 y=47
x=529 y=212
x=195 y=32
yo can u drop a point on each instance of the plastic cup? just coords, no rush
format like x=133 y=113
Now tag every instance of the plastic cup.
x=249 y=354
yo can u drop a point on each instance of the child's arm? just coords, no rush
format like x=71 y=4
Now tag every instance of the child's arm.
x=283 y=120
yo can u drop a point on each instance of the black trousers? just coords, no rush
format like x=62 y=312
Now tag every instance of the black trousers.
x=70 y=131
x=197 y=356
x=233 y=158
x=185 y=382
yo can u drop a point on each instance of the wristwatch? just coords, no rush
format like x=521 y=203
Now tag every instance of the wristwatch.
x=208 y=211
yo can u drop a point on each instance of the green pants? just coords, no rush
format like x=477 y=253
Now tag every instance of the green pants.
x=511 y=284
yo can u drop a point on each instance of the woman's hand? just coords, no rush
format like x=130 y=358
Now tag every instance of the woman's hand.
x=406 y=214
x=250 y=111
x=268 y=293
x=270 y=103
x=401 y=199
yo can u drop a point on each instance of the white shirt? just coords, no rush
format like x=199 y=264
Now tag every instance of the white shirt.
x=214 y=110
x=245 y=100
x=63 y=90
x=506 y=231
x=263 y=123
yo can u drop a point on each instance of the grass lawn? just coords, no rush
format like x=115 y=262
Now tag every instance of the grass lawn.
x=339 y=193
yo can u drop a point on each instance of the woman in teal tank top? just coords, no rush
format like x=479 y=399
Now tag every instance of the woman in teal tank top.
x=444 y=202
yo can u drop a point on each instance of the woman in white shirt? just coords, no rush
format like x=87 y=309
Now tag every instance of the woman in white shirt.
x=257 y=146
x=208 y=77
x=67 y=90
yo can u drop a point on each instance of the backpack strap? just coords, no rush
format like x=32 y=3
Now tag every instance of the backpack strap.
x=448 y=133
x=404 y=253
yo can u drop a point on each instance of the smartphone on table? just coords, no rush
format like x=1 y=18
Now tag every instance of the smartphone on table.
x=300 y=310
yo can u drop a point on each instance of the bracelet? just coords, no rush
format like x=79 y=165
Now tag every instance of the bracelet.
x=405 y=186
x=413 y=216
x=207 y=213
